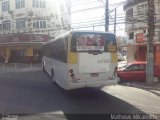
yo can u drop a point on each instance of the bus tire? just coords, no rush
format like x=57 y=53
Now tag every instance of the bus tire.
x=43 y=68
x=53 y=76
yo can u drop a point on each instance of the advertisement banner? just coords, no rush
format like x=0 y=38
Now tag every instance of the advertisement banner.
x=139 y=37
x=23 y=38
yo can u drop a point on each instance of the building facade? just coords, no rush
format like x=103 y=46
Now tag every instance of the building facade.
x=26 y=24
x=136 y=27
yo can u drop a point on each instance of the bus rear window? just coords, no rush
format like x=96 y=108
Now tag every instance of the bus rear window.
x=93 y=41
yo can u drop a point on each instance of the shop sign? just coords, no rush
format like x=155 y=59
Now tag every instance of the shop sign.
x=139 y=37
x=39 y=38
x=23 y=38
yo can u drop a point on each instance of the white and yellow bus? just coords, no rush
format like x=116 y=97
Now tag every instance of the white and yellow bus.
x=80 y=59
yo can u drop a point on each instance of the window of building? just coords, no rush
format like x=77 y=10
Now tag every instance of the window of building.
x=6 y=25
x=1 y=27
x=20 y=4
x=142 y=9
x=20 y=23
x=129 y=14
x=5 y=6
x=39 y=24
x=39 y=3
x=131 y=36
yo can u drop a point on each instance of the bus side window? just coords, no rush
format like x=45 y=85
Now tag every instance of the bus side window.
x=65 y=48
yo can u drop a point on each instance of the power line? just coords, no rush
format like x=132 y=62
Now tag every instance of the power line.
x=83 y=10
x=93 y=22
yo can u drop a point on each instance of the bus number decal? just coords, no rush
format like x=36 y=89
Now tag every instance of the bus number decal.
x=104 y=61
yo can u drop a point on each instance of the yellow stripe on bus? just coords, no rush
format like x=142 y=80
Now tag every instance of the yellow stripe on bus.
x=72 y=58
x=114 y=57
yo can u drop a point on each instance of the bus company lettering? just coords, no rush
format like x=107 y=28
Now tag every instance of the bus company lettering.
x=104 y=61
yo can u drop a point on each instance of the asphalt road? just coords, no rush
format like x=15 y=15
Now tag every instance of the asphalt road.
x=33 y=93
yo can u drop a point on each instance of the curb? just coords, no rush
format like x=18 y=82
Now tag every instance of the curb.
x=141 y=86
x=145 y=87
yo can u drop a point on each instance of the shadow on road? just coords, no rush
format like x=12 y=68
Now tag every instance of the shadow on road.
x=34 y=93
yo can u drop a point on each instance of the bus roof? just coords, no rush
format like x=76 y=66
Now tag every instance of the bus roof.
x=76 y=31
x=91 y=31
x=62 y=35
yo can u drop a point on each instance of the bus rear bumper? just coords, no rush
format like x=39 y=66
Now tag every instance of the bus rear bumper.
x=91 y=84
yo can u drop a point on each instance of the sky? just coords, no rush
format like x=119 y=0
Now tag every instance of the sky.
x=90 y=14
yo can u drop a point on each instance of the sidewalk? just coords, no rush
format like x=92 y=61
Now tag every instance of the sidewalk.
x=19 y=67
x=142 y=85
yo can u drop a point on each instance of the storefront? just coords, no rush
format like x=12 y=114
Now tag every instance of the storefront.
x=22 y=48
x=138 y=50
x=141 y=53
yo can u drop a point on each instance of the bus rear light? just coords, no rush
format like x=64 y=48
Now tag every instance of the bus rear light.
x=70 y=70
x=71 y=75
x=114 y=76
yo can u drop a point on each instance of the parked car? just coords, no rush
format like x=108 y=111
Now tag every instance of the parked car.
x=136 y=71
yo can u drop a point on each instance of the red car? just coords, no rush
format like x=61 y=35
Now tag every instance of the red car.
x=136 y=71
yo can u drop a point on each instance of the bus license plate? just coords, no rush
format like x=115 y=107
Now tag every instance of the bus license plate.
x=94 y=74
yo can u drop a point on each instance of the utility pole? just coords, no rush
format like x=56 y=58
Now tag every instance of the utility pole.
x=150 y=43
x=106 y=17
x=115 y=20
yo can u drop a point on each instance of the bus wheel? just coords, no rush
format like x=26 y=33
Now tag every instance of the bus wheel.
x=43 y=68
x=53 y=76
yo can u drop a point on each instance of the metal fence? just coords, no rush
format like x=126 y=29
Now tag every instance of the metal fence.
x=19 y=66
